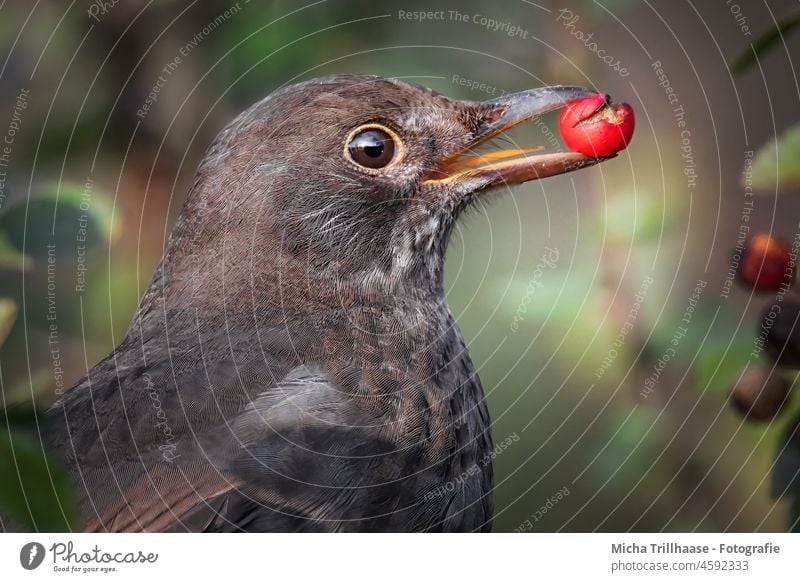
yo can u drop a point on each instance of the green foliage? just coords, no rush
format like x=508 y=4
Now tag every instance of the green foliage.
x=57 y=218
x=627 y=448
x=777 y=163
x=30 y=388
x=764 y=44
x=630 y=216
x=112 y=292
x=275 y=37
x=35 y=492
x=720 y=361
x=8 y=313
x=10 y=257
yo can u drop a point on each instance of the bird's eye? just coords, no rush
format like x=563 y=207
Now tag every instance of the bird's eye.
x=372 y=147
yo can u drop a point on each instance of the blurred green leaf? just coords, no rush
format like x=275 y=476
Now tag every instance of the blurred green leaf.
x=629 y=446
x=543 y=292
x=718 y=364
x=8 y=313
x=35 y=492
x=11 y=258
x=113 y=291
x=763 y=44
x=777 y=163
x=665 y=330
x=31 y=387
x=56 y=220
x=632 y=216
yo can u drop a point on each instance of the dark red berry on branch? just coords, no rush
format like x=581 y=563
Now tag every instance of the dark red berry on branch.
x=760 y=393
x=766 y=264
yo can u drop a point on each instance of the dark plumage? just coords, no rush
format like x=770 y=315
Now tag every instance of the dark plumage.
x=293 y=365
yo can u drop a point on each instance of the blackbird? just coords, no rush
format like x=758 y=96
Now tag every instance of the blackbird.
x=293 y=365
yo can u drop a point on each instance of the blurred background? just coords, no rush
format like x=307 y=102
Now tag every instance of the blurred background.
x=599 y=306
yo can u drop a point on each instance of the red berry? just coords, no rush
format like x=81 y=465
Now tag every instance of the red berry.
x=766 y=263
x=595 y=127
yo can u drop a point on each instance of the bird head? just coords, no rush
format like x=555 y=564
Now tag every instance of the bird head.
x=356 y=181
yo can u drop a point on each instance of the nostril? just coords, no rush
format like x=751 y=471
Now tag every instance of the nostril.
x=496 y=114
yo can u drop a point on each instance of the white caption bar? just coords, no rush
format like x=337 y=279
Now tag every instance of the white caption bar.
x=389 y=557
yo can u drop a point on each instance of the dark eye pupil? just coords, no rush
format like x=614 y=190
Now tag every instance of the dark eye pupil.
x=372 y=148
